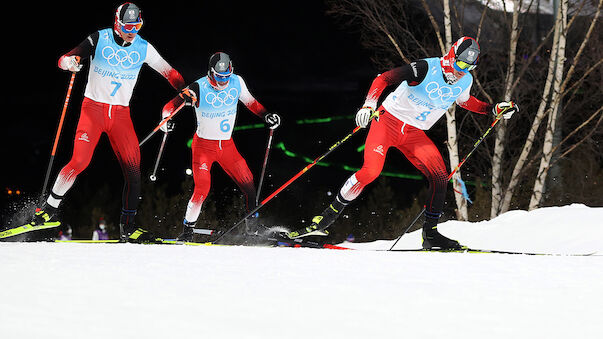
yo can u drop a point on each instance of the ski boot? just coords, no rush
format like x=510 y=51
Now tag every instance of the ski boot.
x=133 y=234
x=187 y=231
x=45 y=216
x=434 y=240
x=42 y=227
x=320 y=222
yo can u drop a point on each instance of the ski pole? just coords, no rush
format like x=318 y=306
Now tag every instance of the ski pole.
x=56 y=138
x=268 y=147
x=153 y=176
x=477 y=143
x=304 y=170
x=163 y=122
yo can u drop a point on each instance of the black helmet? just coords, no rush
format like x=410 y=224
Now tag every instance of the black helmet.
x=219 y=70
x=128 y=18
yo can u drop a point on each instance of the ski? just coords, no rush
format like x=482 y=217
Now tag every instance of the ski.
x=117 y=241
x=306 y=232
x=112 y=241
x=187 y=243
x=284 y=241
x=275 y=240
x=4 y=235
x=473 y=250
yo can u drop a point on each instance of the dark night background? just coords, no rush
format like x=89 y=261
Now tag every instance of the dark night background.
x=295 y=59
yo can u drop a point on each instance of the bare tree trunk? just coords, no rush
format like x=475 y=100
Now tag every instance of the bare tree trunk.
x=523 y=157
x=560 y=26
x=499 y=146
x=452 y=144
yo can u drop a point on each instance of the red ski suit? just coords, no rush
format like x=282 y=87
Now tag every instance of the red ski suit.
x=211 y=145
x=102 y=112
x=389 y=131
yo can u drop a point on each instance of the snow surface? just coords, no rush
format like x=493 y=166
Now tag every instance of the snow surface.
x=67 y=290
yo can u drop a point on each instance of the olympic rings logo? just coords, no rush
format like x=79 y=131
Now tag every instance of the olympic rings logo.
x=121 y=57
x=444 y=93
x=223 y=98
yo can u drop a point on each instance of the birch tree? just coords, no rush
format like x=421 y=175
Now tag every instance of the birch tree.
x=499 y=145
x=542 y=111
x=452 y=138
x=388 y=28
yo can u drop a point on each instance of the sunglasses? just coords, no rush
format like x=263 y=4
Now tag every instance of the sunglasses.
x=131 y=27
x=462 y=66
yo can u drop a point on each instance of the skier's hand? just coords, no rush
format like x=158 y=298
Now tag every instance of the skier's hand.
x=506 y=109
x=364 y=116
x=168 y=126
x=189 y=96
x=70 y=63
x=273 y=120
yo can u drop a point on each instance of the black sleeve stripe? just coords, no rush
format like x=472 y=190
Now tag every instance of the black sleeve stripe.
x=417 y=73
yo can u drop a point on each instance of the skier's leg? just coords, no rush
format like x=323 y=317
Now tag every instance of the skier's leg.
x=203 y=156
x=125 y=145
x=236 y=167
x=381 y=135
x=426 y=157
x=88 y=132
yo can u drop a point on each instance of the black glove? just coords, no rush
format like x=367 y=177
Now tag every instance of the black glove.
x=273 y=120
x=168 y=126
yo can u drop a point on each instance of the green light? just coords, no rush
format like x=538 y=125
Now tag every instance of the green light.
x=288 y=153
x=323 y=120
x=246 y=127
x=291 y=154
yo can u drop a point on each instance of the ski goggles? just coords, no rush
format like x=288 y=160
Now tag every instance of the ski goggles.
x=462 y=66
x=132 y=27
x=221 y=77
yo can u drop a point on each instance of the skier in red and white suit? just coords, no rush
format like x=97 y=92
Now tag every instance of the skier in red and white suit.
x=215 y=98
x=116 y=56
x=426 y=89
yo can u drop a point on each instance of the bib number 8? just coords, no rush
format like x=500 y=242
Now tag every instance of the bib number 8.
x=423 y=116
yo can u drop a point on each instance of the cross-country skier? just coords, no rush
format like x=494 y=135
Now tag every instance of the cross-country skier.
x=425 y=90
x=116 y=57
x=214 y=98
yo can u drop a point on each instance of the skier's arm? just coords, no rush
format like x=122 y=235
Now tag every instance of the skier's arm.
x=162 y=67
x=475 y=105
x=249 y=101
x=469 y=102
x=70 y=60
x=273 y=120
x=188 y=95
x=412 y=73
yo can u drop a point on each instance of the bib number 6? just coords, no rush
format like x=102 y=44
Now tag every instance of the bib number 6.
x=224 y=125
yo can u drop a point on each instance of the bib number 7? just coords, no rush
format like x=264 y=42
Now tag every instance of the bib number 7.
x=117 y=86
